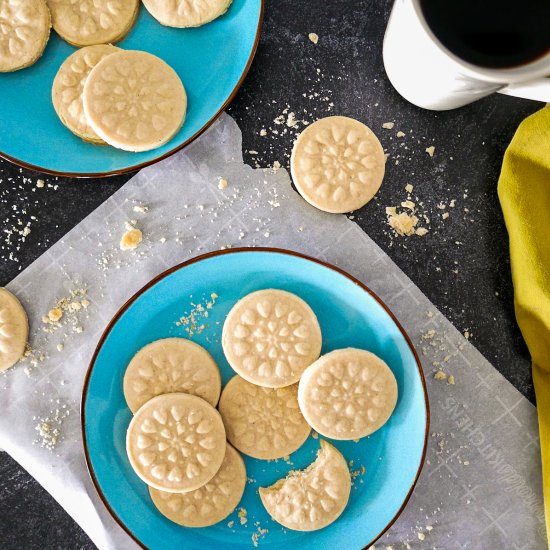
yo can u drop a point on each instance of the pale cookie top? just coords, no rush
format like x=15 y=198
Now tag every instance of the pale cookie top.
x=313 y=498
x=261 y=422
x=171 y=365
x=134 y=101
x=210 y=503
x=14 y=329
x=24 y=32
x=337 y=164
x=347 y=394
x=68 y=85
x=270 y=337
x=186 y=13
x=176 y=442
x=89 y=22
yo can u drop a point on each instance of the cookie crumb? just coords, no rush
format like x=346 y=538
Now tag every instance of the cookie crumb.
x=222 y=183
x=451 y=380
x=55 y=314
x=243 y=515
x=400 y=134
x=440 y=375
x=141 y=208
x=60 y=347
x=131 y=239
x=39 y=183
x=421 y=536
x=409 y=188
x=430 y=150
x=388 y=125
x=313 y=37
x=263 y=132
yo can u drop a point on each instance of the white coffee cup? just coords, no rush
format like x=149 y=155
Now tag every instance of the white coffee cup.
x=428 y=75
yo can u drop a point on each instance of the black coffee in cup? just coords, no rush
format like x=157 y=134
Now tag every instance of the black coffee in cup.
x=491 y=33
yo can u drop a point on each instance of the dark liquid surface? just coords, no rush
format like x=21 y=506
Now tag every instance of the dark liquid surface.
x=491 y=33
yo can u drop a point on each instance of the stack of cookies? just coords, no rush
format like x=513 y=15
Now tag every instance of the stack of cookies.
x=131 y=100
x=176 y=441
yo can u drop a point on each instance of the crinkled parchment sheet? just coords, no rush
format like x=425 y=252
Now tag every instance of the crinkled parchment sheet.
x=481 y=485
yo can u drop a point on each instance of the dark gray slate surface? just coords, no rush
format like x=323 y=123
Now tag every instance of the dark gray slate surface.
x=469 y=281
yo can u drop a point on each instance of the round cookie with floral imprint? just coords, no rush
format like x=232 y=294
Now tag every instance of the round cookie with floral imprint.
x=310 y=499
x=270 y=336
x=90 y=22
x=171 y=365
x=264 y=423
x=347 y=394
x=337 y=164
x=14 y=329
x=24 y=32
x=68 y=85
x=135 y=101
x=210 y=503
x=176 y=442
x=186 y=13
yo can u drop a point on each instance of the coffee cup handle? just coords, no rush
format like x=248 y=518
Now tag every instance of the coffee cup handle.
x=537 y=90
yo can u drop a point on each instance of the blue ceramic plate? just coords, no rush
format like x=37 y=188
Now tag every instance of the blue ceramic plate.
x=386 y=464
x=212 y=61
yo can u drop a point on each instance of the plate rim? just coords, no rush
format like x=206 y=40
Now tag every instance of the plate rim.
x=135 y=167
x=216 y=253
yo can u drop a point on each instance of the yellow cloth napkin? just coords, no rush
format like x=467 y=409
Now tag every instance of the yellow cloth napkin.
x=524 y=193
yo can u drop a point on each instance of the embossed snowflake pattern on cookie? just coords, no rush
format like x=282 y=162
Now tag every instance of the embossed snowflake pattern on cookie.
x=24 y=32
x=270 y=337
x=262 y=422
x=89 y=22
x=176 y=442
x=313 y=498
x=186 y=13
x=210 y=503
x=14 y=329
x=337 y=164
x=347 y=394
x=171 y=365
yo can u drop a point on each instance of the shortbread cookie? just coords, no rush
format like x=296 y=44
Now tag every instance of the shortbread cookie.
x=14 y=329
x=337 y=164
x=186 y=13
x=270 y=337
x=24 y=32
x=68 y=85
x=171 y=365
x=134 y=101
x=89 y=22
x=176 y=442
x=210 y=503
x=261 y=422
x=347 y=394
x=310 y=499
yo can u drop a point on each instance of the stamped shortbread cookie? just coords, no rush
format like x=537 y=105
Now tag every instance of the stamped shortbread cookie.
x=89 y=22
x=347 y=394
x=68 y=85
x=310 y=499
x=186 y=13
x=270 y=337
x=24 y=32
x=262 y=422
x=210 y=503
x=134 y=101
x=176 y=442
x=14 y=329
x=337 y=164
x=171 y=365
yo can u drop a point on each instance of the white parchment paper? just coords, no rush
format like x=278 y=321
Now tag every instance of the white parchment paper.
x=481 y=486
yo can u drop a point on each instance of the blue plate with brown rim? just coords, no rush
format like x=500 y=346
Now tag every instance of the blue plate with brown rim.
x=211 y=61
x=385 y=465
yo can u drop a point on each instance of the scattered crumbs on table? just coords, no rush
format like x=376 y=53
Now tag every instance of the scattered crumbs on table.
x=48 y=428
x=242 y=515
x=193 y=321
x=313 y=37
x=67 y=311
x=131 y=238
x=259 y=534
